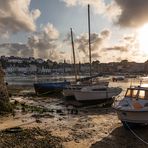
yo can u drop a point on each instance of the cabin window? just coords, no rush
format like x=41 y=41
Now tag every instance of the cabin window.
x=146 y=94
x=134 y=93
x=128 y=93
x=141 y=94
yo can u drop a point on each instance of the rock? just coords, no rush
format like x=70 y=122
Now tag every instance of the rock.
x=77 y=141
x=13 y=130
x=30 y=138
x=59 y=111
x=38 y=121
x=5 y=105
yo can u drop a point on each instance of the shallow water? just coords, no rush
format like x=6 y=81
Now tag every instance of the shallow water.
x=30 y=79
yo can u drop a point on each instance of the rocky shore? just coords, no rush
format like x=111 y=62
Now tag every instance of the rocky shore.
x=29 y=138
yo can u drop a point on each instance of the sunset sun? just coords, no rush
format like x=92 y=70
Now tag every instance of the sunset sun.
x=143 y=38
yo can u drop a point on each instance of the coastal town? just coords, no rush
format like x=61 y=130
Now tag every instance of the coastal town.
x=19 y=65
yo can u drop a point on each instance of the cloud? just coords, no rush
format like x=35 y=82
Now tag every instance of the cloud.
x=133 y=12
x=95 y=56
x=81 y=44
x=45 y=43
x=105 y=33
x=117 y=48
x=51 y=32
x=70 y=2
x=15 y=16
x=126 y=48
x=17 y=49
x=127 y=45
x=126 y=13
x=97 y=41
x=129 y=38
x=68 y=37
x=110 y=10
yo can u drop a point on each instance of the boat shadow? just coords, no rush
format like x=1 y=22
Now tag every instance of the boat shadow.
x=123 y=138
x=90 y=108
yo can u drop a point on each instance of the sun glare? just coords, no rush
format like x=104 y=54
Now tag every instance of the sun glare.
x=143 y=38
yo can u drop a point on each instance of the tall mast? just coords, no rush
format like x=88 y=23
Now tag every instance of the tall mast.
x=89 y=38
x=74 y=59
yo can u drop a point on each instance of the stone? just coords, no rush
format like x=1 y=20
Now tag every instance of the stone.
x=4 y=97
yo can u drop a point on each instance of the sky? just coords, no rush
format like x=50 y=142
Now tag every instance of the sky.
x=41 y=29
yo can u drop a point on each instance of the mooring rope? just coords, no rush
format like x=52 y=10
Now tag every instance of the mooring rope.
x=136 y=134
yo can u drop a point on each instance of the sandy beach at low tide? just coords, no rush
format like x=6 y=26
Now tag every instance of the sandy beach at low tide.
x=94 y=126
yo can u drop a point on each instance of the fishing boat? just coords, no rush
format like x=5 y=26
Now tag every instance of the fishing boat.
x=49 y=88
x=133 y=108
x=97 y=93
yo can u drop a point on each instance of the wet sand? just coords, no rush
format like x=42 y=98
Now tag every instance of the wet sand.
x=48 y=118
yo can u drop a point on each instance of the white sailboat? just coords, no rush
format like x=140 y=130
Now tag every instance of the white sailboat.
x=70 y=90
x=88 y=81
x=96 y=92
x=133 y=108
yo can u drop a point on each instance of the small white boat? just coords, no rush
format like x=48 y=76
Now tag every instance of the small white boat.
x=97 y=93
x=133 y=108
x=70 y=89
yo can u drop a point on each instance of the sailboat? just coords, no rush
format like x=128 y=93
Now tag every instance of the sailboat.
x=80 y=83
x=97 y=92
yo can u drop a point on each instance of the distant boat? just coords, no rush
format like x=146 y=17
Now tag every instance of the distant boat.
x=133 y=108
x=118 y=78
x=97 y=93
x=49 y=88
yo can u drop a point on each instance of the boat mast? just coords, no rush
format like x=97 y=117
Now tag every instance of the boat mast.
x=89 y=38
x=73 y=49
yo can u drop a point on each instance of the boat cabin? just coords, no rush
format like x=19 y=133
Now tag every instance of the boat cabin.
x=137 y=93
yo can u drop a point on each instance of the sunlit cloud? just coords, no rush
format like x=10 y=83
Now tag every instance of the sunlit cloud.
x=97 y=41
x=117 y=48
x=42 y=44
x=46 y=44
x=15 y=16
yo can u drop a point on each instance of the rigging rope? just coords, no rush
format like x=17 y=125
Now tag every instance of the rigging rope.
x=136 y=134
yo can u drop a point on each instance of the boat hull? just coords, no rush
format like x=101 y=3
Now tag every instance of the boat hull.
x=133 y=116
x=70 y=91
x=49 y=88
x=96 y=95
